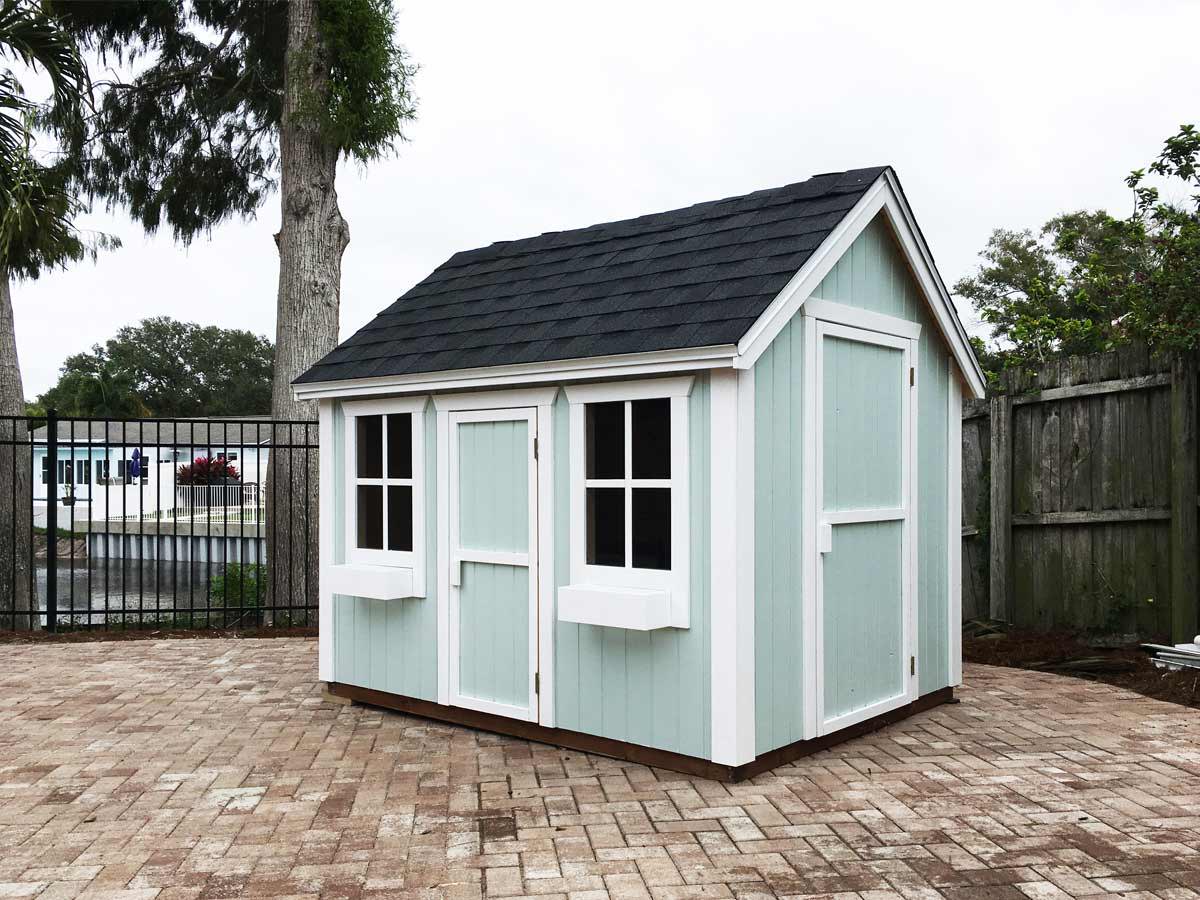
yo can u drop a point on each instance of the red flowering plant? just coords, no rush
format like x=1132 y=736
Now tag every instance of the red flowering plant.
x=203 y=470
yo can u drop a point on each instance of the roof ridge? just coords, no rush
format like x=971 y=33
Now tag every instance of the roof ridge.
x=671 y=217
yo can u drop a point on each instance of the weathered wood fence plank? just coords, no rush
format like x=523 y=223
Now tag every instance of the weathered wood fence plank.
x=1079 y=496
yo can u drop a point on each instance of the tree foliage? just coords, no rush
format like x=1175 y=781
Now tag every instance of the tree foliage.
x=1087 y=281
x=165 y=368
x=192 y=138
x=37 y=208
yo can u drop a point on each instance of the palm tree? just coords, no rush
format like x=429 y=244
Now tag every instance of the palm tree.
x=37 y=233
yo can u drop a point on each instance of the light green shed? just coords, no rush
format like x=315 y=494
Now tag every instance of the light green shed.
x=681 y=489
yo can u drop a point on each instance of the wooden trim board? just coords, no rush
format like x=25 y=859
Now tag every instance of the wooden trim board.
x=647 y=756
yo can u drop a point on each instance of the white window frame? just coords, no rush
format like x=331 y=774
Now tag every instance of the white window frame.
x=409 y=559
x=674 y=581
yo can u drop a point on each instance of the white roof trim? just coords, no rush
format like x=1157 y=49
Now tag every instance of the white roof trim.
x=884 y=195
x=625 y=365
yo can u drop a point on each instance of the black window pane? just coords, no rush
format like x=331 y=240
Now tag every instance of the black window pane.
x=369 y=446
x=400 y=517
x=606 y=440
x=399 y=445
x=370 y=516
x=651 y=438
x=652 y=528
x=606 y=526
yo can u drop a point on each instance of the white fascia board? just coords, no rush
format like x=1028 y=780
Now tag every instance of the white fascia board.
x=884 y=195
x=625 y=365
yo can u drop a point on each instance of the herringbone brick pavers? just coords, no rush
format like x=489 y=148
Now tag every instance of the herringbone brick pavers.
x=214 y=768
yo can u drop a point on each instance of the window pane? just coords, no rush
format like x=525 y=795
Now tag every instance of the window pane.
x=652 y=528
x=369 y=446
x=400 y=517
x=370 y=516
x=606 y=526
x=652 y=438
x=399 y=443
x=606 y=440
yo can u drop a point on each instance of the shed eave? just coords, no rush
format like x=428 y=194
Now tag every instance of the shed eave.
x=625 y=365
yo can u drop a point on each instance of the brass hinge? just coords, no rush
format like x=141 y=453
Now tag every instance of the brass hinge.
x=912 y=376
x=912 y=665
x=537 y=683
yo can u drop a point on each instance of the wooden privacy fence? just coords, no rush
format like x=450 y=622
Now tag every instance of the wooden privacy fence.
x=1080 y=497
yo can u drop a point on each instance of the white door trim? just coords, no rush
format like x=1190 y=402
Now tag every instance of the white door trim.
x=817 y=521
x=451 y=557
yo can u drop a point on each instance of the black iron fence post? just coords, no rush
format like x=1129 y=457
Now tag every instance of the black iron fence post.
x=51 y=520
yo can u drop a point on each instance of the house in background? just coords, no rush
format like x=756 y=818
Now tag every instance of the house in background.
x=117 y=481
x=681 y=489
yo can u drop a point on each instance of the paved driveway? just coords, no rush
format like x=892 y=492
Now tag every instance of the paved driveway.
x=213 y=768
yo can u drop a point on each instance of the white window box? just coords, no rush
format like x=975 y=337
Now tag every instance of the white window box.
x=637 y=609
x=374 y=582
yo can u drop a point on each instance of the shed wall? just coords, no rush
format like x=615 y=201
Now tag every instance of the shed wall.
x=651 y=688
x=871 y=275
x=388 y=645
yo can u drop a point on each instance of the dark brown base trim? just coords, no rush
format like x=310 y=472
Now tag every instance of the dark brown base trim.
x=647 y=756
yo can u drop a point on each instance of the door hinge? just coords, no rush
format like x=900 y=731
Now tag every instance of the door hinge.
x=535 y=448
x=912 y=376
x=537 y=683
x=912 y=665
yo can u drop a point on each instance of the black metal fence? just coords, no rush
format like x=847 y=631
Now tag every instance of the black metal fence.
x=157 y=523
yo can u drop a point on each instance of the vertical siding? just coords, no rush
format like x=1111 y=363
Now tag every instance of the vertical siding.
x=389 y=645
x=778 y=519
x=651 y=688
x=873 y=275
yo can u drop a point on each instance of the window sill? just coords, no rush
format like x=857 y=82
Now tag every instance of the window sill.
x=373 y=582
x=636 y=609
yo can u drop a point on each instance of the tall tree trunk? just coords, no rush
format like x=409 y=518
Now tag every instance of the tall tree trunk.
x=312 y=237
x=16 y=465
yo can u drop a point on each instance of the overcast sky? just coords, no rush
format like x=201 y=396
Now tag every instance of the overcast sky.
x=543 y=116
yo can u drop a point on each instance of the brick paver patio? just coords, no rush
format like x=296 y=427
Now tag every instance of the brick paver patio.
x=213 y=768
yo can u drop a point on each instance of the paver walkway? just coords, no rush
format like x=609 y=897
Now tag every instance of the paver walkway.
x=212 y=768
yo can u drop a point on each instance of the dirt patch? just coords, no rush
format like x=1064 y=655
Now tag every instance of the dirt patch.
x=1126 y=666
x=149 y=634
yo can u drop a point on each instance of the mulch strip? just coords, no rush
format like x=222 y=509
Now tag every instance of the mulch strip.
x=1064 y=653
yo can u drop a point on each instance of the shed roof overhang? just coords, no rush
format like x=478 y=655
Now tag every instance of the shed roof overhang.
x=885 y=196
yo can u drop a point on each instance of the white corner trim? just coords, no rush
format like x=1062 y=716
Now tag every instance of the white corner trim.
x=506 y=399
x=625 y=365
x=443 y=556
x=884 y=195
x=325 y=539
x=954 y=526
x=844 y=314
x=810 y=557
x=644 y=389
x=731 y=557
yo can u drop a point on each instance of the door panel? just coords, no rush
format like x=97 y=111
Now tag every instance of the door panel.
x=493 y=562
x=493 y=479
x=494 y=633
x=863 y=617
x=863 y=400
x=864 y=519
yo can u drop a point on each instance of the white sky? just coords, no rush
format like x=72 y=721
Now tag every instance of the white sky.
x=543 y=116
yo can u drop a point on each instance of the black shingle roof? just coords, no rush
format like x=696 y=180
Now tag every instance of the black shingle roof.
x=693 y=277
